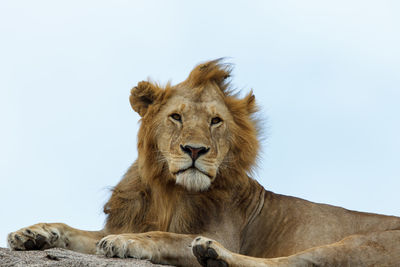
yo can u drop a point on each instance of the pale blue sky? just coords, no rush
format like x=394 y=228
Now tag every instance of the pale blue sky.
x=326 y=74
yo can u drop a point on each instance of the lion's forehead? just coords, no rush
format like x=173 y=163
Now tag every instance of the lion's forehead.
x=197 y=108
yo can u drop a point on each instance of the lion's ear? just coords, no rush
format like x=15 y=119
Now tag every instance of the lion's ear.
x=143 y=95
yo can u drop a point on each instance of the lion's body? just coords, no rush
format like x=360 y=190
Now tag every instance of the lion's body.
x=197 y=145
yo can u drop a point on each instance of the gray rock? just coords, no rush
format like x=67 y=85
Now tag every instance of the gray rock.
x=62 y=257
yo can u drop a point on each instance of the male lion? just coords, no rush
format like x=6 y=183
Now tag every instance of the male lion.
x=197 y=144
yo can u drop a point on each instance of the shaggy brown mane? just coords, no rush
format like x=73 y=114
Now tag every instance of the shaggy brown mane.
x=148 y=182
x=214 y=71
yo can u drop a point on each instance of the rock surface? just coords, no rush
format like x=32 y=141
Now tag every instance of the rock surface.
x=62 y=257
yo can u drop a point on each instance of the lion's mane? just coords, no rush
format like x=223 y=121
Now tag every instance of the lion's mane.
x=148 y=199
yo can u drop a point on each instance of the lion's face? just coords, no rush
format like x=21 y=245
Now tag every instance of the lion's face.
x=193 y=136
x=196 y=130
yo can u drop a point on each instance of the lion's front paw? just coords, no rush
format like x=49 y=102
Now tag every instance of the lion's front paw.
x=38 y=236
x=113 y=246
x=124 y=246
x=209 y=252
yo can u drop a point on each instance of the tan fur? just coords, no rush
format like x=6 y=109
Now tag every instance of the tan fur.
x=197 y=144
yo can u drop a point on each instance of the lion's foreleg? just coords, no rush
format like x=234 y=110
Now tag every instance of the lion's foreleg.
x=375 y=249
x=158 y=247
x=49 y=235
x=209 y=252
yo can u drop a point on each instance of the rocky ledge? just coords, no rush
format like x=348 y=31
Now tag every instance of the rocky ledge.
x=62 y=257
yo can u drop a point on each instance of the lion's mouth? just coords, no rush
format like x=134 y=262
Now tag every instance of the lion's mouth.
x=193 y=168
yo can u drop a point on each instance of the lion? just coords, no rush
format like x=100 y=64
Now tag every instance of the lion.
x=188 y=199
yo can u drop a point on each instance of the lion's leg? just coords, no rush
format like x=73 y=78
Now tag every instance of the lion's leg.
x=209 y=252
x=375 y=249
x=49 y=235
x=158 y=247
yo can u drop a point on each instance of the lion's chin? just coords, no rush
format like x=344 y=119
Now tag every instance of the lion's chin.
x=193 y=180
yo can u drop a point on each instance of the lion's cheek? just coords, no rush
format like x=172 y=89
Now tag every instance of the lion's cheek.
x=173 y=168
x=223 y=149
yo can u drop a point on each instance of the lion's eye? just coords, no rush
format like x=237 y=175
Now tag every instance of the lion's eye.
x=176 y=117
x=215 y=120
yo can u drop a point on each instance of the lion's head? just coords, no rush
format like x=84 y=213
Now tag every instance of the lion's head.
x=195 y=131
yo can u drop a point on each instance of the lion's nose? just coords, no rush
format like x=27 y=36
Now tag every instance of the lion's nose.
x=194 y=152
